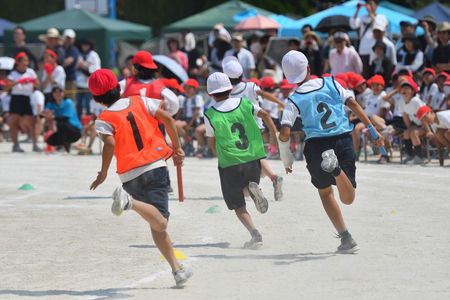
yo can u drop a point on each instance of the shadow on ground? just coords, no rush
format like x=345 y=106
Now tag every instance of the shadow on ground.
x=118 y=293
x=216 y=245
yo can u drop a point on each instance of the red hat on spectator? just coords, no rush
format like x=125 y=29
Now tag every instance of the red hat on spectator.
x=267 y=83
x=341 y=82
x=343 y=76
x=409 y=81
x=102 y=81
x=423 y=111
x=356 y=80
x=394 y=74
x=313 y=77
x=144 y=59
x=192 y=82
x=447 y=77
x=369 y=82
x=255 y=80
x=52 y=53
x=173 y=84
x=285 y=84
x=377 y=79
x=326 y=75
x=429 y=70
x=19 y=56
x=408 y=70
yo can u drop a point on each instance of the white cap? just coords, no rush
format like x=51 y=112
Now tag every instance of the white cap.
x=339 y=35
x=232 y=67
x=69 y=33
x=380 y=25
x=295 y=66
x=218 y=83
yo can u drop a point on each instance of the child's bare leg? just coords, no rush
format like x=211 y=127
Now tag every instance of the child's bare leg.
x=266 y=170
x=345 y=188
x=415 y=133
x=355 y=134
x=199 y=134
x=164 y=244
x=31 y=122
x=444 y=137
x=245 y=218
x=92 y=136
x=15 y=119
x=332 y=208
x=180 y=125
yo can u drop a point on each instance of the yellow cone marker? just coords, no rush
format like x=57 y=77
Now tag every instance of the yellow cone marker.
x=178 y=255
x=393 y=212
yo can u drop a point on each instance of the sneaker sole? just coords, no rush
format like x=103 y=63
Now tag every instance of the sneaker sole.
x=261 y=202
x=256 y=246
x=278 y=188
x=349 y=251
x=117 y=203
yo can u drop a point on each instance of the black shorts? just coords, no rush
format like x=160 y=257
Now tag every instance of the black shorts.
x=342 y=146
x=151 y=188
x=276 y=122
x=298 y=125
x=397 y=123
x=20 y=105
x=234 y=178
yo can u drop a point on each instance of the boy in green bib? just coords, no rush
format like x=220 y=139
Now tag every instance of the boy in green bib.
x=232 y=131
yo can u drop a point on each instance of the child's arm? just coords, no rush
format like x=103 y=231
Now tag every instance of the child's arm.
x=359 y=112
x=268 y=120
x=388 y=97
x=108 y=153
x=270 y=97
x=212 y=142
x=169 y=124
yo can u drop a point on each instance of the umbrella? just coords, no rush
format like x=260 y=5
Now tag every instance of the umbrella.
x=258 y=22
x=333 y=22
x=172 y=69
x=278 y=47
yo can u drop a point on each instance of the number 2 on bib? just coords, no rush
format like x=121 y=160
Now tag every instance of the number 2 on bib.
x=245 y=143
x=323 y=121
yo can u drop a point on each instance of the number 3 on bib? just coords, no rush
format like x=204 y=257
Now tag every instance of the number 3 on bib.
x=323 y=121
x=244 y=143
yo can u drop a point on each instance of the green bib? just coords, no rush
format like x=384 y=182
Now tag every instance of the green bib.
x=238 y=137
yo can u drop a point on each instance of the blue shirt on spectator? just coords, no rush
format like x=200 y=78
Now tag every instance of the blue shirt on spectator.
x=65 y=109
x=71 y=73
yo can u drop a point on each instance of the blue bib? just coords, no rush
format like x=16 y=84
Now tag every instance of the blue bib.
x=322 y=111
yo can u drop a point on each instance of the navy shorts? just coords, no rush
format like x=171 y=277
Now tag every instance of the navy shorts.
x=397 y=123
x=342 y=146
x=234 y=178
x=298 y=125
x=276 y=122
x=20 y=105
x=151 y=188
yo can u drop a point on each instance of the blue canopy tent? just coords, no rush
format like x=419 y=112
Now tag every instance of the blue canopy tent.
x=439 y=11
x=397 y=8
x=3 y=25
x=348 y=9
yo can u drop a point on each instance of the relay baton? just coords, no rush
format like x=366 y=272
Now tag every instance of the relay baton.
x=180 y=184
x=375 y=137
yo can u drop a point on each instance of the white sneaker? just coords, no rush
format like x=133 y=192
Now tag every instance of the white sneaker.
x=419 y=160
x=277 y=191
x=181 y=276
x=121 y=201
x=330 y=161
x=406 y=160
x=256 y=194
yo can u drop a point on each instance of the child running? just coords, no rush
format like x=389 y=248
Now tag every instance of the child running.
x=129 y=129
x=233 y=132
x=233 y=69
x=329 y=149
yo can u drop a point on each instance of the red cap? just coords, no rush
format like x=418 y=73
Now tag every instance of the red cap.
x=429 y=70
x=313 y=77
x=343 y=76
x=422 y=111
x=447 y=77
x=173 y=84
x=267 y=83
x=409 y=81
x=144 y=59
x=409 y=72
x=102 y=81
x=285 y=84
x=356 y=80
x=52 y=53
x=192 y=82
x=255 y=80
x=350 y=75
x=377 y=79
x=326 y=75
x=18 y=56
x=341 y=82
x=369 y=82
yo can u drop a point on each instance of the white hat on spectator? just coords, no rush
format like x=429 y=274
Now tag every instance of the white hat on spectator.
x=295 y=66
x=237 y=36
x=51 y=33
x=69 y=33
x=380 y=25
x=218 y=83
x=232 y=67
x=339 y=35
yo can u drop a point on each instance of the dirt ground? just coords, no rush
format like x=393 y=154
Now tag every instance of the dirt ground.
x=61 y=241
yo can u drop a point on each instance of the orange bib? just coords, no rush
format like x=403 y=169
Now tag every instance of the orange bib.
x=136 y=88
x=139 y=141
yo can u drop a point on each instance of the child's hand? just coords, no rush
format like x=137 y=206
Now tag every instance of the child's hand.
x=288 y=170
x=178 y=157
x=380 y=141
x=100 y=178
x=430 y=135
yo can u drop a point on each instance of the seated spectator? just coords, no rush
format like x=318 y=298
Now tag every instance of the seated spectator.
x=429 y=87
x=68 y=127
x=173 y=85
x=362 y=91
x=381 y=65
x=128 y=69
x=406 y=27
x=190 y=114
x=89 y=128
x=53 y=74
x=268 y=85
x=19 y=36
x=37 y=102
x=441 y=55
x=439 y=100
x=409 y=104
x=244 y=56
x=374 y=105
x=343 y=59
x=311 y=47
x=177 y=55
x=410 y=56
x=379 y=30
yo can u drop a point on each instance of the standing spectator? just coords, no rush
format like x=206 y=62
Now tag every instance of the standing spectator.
x=21 y=83
x=364 y=24
x=264 y=63
x=410 y=56
x=379 y=30
x=244 y=56
x=88 y=63
x=428 y=40
x=381 y=65
x=220 y=46
x=342 y=58
x=306 y=28
x=128 y=69
x=70 y=63
x=19 y=35
x=53 y=74
x=177 y=55
x=189 y=46
x=405 y=28
x=441 y=55
x=53 y=42
x=311 y=48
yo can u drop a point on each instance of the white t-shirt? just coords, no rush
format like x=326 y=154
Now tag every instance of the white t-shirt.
x=5 y=99
x=96 y=108
x=291 y=112
x=248 y=90
x=391 y=53
x=444 y=121
x=397 y=97
x=374 y=104
x=411 y=108
x=447 y=90
x=271 y=107
x=103 y=127
x=22 y=89
x=437 y=100
x=171 y=103
x=361 y=97
x=94 y=62
x=246 y=60
x=429 y=91
x=225 y=106
x=190 y=104
x=59 y=76
x=37 y=99
x=365 y=44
